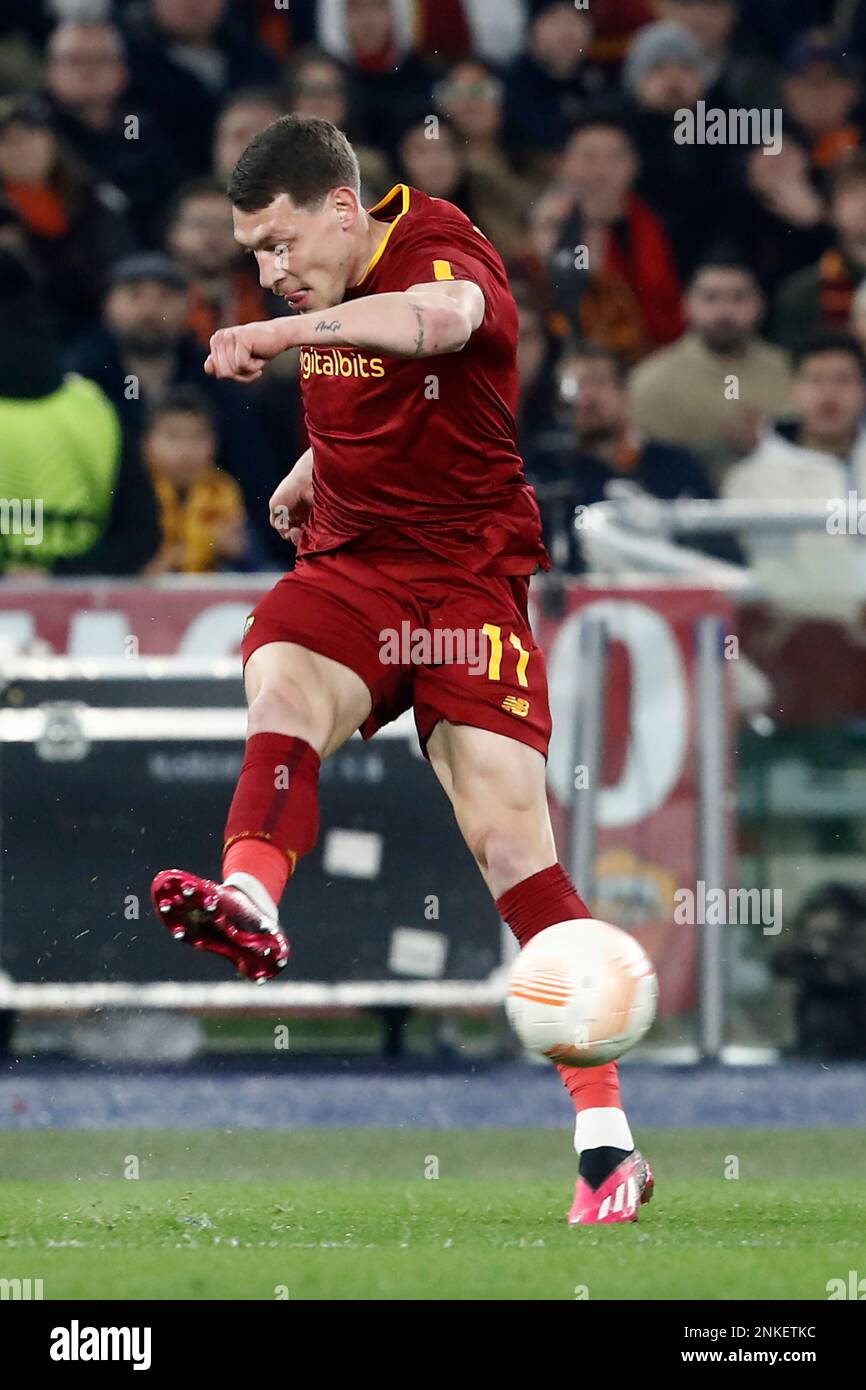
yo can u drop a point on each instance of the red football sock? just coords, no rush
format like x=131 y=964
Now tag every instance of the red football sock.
x=274 y=816
x=265 y=862
x=541 y=901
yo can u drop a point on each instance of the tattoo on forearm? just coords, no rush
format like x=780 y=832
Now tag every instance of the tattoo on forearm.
x=419 y=341
x=323 y=327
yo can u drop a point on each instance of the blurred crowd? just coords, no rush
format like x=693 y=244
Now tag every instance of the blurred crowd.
x=692 y=314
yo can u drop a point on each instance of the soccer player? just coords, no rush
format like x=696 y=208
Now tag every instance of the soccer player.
x=409 y=507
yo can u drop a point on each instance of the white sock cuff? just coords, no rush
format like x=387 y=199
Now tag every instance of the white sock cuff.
x=256 y=890
x=602 y=1127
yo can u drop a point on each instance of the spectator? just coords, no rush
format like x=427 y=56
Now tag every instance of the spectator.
x=821 y=295
x=445 y=30
x=390 y=83
x=667 y=71
x=318 y=86
x=88 y=87
x=819 y=456
x=439 y=166
x=471 y=96
x=143 y=350
x=243 y=116
x=710 y=390
x=821 y=92
x=74 y=226
x=201 y=239
x=857 y=322
x=63 y=453
x=285 y=28
x=777 y=219
x=615 y=22
x=733 y=81
x=531 y=268
x=547 y=87
x=201 y=507
x=23 y=30
x=187 y=56
x=606 y=446
x=546 y=219
x=614 y=271
x=494 y=30
x=537 y=352
x=12 y=234
x=773 y=23
x=826 y=960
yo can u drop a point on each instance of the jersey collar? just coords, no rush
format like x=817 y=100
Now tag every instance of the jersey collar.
x=402 y=192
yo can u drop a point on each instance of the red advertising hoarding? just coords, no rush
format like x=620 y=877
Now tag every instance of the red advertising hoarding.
x=647 y=845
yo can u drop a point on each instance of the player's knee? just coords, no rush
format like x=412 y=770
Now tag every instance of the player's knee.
x=284 y=706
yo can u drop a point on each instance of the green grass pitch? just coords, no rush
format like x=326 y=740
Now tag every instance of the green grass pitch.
x=351 y=1214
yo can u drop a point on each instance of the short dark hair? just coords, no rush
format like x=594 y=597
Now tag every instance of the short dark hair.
x=255 y=96
x=587 y=350
x=182 y=400
x=302 y=156
x=724 y=258
x=204 y=187
x=603 y=116
x=826 y=340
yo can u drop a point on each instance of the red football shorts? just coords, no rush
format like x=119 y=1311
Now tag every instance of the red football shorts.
x=422 y=634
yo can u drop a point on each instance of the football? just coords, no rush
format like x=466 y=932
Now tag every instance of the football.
x=581 y=992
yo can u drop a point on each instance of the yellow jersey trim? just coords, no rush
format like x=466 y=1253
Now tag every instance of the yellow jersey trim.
x=442 y=270
x=404 y=191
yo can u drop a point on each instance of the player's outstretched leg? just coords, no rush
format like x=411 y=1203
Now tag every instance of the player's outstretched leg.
x=302 y=707
x=497 y=788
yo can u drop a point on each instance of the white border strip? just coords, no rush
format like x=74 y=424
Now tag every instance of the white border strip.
x=430 y=994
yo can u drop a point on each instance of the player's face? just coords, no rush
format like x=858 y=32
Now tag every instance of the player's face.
x=829 y=394
x=303 y=254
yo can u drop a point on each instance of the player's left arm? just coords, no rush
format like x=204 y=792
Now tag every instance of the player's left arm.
x=426 y=320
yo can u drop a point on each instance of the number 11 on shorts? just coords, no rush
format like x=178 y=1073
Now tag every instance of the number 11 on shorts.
x=494 y=665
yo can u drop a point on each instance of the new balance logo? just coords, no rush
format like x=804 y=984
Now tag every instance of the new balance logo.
x=515 y=704
x=627 y=1189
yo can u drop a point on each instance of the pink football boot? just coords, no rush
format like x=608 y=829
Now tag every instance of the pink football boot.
x=628 y=1187
x=219 y=917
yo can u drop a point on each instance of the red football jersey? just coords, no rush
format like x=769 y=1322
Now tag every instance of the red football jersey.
x=424 y=448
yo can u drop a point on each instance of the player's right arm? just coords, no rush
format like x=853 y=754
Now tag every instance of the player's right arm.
x=292 y=499
x=427 y=320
